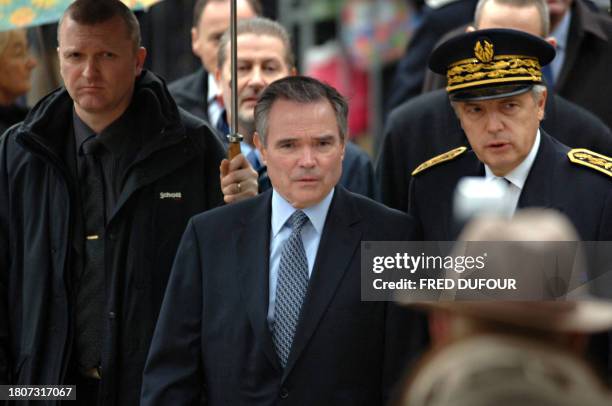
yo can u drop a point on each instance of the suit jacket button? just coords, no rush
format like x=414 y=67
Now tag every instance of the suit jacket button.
x=284 y=393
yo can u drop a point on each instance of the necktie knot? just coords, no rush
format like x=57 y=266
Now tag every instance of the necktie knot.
x=91 y=145
x=297 y=220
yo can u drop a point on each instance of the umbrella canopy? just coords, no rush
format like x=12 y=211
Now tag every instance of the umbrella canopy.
x=27 y=13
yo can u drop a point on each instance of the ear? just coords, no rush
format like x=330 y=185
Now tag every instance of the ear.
x=552 y=41
x=218 y=78
x=542 y=105
x=470 y=28
x=293 y=71
x=259 y=145
x=141 y=55
x=195 y=42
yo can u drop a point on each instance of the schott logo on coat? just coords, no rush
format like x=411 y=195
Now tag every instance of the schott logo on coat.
x=171 y=195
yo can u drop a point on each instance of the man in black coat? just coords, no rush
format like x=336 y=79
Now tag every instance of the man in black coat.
x=98 y=184
x=240 y=340
x=500 y=112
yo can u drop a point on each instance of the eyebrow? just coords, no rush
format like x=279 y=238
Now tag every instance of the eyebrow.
x=324 y=137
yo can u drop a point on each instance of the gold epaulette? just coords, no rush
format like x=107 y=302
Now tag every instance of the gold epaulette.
x=447 y=156
x=591 y=159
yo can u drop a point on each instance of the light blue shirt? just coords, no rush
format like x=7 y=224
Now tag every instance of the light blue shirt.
x=518 y=175
x=280 y=232
x=560 y=33
x=215 y=110
x=246 y=149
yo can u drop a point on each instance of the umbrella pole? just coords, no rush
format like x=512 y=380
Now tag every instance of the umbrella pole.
x=234 y=137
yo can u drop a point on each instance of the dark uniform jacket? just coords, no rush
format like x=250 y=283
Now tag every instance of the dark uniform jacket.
x=427 y=126
x=191 y=92
x=583 y=194
x=174 y=176
x=345 y=351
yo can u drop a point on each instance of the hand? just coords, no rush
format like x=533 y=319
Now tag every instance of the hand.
x=238 y=179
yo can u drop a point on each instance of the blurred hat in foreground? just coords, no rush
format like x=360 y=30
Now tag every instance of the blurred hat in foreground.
x=530 y=243
x=503 y=371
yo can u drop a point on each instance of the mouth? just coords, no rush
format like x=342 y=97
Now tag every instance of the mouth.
x=90 y=88
x=498 y=146
x=249 y=100
x=308 y=180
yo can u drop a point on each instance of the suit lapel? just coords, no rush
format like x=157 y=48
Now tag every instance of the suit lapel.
x=339 y=244
x=253 y=264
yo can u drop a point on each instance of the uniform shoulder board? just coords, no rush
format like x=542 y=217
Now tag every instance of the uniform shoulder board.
x=447 y=156
x=599 y=162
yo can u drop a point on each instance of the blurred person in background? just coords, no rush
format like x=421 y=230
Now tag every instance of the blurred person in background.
x=16 y=65
x=198 y=92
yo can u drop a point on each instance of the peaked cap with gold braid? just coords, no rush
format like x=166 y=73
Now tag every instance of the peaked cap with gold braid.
x=447 y=156
x=492 y=63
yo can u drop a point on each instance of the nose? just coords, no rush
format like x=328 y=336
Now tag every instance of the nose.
x=307 y=158
x=257 y=78
x=31 y=62
x=494 y=122
x=90 y=69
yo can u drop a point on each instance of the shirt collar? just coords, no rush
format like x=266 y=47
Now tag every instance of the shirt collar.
x=115 y=138
x=282 y=210
x=82 y=132
x=562 y=31
x=213 y=89
x=518 y=175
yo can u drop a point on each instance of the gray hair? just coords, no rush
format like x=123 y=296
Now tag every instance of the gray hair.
x=257 y=26
x=541 y=5
x=92 y=12
x=300 y=89
x=536 y=92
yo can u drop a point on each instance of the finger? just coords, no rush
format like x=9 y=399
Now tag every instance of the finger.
x=241 y=175
x=224 y=167
x=247 y=190
x=239 y=162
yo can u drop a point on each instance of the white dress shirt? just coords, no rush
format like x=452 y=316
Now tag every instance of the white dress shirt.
x=517 y=177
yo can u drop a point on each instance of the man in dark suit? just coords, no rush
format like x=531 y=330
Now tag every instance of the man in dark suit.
x=500 y=110
x=426 y=126
x=270 y=307
x=265 y=55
